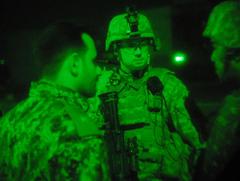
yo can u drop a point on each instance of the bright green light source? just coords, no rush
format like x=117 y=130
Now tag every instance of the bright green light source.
x=179 y=58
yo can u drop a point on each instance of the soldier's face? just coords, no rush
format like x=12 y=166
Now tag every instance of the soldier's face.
x=88 y=72
x=135 y=57
x=226 y=61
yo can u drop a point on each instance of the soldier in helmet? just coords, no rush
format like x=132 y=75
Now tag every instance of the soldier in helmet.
x=151 y=95
x=223 y=29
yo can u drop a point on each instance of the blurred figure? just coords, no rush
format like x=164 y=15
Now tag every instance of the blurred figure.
x=51 y=135
x=150 y=95
x=223 y=29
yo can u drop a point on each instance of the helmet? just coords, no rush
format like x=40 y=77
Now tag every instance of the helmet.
x=224 y=24
x=121 y=29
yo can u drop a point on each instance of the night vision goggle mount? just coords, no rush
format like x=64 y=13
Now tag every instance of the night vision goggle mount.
x=132 y=19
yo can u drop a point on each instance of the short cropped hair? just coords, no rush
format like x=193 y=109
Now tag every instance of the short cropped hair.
x=53 y=44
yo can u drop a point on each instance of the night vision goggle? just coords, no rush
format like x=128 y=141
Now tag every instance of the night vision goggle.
x=132 y=19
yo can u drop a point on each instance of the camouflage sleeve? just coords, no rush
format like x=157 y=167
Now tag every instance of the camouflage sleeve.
x=78 y=159
x=177 y=94
x=44 y=144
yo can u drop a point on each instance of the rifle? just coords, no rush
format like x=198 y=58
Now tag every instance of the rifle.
x=122 y=155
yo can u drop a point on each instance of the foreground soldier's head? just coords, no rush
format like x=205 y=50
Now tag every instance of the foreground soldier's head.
x=130 y=38
x=223 y=28
x=65 y=55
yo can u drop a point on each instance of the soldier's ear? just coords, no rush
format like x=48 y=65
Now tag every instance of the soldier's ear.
x=75 y=61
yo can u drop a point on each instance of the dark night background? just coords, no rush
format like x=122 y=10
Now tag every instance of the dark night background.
x=178 y=24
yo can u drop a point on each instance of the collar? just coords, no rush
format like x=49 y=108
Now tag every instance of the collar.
x=50 y=90
x=134 y=82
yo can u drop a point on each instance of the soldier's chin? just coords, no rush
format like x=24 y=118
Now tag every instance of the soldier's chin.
x=139 y=67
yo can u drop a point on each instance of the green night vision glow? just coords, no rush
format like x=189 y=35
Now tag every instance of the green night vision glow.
x=179 y=58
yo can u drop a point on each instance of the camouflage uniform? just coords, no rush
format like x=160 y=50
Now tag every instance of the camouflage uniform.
x=161 y=153
x=42 y=138
x=223 y=27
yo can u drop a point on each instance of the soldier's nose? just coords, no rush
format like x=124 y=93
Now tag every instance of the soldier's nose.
x=138 y=52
